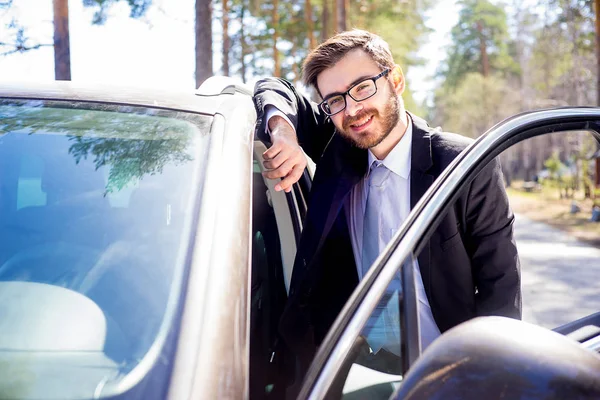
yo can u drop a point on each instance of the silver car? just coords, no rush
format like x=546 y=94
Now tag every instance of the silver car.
x=144 y=256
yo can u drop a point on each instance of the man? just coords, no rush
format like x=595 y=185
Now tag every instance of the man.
x=374 y=162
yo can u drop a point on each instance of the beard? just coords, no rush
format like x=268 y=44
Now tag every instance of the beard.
x=388 y=118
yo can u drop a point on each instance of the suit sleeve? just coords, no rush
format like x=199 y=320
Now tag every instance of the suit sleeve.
x=313 y=128
x=494 y=259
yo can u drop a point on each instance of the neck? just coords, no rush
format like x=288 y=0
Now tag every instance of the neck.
x=385 y=147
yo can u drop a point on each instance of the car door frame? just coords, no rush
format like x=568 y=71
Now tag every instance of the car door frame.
x=422 y=222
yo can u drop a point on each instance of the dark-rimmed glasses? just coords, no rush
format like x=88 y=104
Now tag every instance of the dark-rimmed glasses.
x=358 y=92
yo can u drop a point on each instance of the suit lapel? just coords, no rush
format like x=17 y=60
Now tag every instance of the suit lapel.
x=420 y=181
x=349 y=166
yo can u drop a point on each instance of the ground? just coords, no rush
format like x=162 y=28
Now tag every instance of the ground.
x=546 y=206
x=559 y=254
x=559 y=274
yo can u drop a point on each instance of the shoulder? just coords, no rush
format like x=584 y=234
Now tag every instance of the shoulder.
x=443 y=144
x=448 y=143
x=446 y=146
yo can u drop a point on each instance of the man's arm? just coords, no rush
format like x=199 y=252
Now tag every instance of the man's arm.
x=494 y=259
x=311 y=129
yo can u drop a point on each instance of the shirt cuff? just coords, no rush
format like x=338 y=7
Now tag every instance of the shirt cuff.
x=272 y=111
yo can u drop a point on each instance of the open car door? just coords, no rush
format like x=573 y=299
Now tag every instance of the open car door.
x=493 y=357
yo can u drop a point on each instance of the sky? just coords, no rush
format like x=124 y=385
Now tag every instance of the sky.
x=157 y=51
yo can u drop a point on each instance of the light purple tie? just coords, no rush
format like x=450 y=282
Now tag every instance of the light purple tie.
x=382 y=328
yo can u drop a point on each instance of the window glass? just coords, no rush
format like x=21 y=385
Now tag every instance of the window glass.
x=373 y=367
x=268 y=296
x=29 y=189
x=552 y=182
x=96 y=202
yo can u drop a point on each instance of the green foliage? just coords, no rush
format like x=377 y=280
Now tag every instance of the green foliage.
x=554 y=165
x=475 y=105
x=479 y=21
x=563 y=61
x=131 y=145
x=138 y=8
x=401 y=24
x=129 y=160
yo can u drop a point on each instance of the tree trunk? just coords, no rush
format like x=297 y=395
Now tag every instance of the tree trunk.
x=597 y=7
x=244 y=49
x=341 y=15
x=295 y=68
x=362 y=10
x=597 y=4
x=226 y=41
x=485 y=63
x=62 y=52
x=347 y=24
x=335 y=15
x=308 y=17
x=276 y=62
x=325 y=21
x=204 y=62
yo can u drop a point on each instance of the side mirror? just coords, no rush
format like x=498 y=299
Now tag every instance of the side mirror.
x=496 y=357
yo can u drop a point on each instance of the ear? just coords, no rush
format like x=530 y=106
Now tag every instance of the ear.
x=397 y=78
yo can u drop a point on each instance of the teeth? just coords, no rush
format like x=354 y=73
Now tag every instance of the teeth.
x=358 y=125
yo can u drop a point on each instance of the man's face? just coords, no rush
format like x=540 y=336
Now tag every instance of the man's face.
x=366 y=123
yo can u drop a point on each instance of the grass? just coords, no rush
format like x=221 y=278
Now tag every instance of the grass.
x=546 y=206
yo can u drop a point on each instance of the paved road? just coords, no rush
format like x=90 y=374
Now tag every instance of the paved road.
x=560 y=275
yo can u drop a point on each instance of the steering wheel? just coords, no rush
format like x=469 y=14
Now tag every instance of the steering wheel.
x=63 y=264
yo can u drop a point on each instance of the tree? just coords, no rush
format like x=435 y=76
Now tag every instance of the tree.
x=14 y=39
x=226 y=41
x=204 y=63
x=62 y=53
x=129 y=160
x=62 y=48
x=242 y=41
x=554 y=165
x=479 y=43
x=597 y=37
x=275 y=22
x=138 y=8
x=341 y=15
x=308 y=19
x=473 y=107
x=325 y=21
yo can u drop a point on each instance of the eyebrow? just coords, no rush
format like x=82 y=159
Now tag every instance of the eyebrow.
x=357 y=80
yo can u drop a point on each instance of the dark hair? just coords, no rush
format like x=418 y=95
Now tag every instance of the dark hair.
x=328 y=53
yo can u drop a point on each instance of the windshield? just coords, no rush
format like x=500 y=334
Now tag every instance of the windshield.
x=95 y=210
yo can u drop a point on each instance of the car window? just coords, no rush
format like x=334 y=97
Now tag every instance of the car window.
x=376 y=369
x=552 y=185
x=268 y=294
x=29 y=185
x=94 y=223
x=372 y=367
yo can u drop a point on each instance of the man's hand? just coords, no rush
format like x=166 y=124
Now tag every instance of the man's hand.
x=285 y=158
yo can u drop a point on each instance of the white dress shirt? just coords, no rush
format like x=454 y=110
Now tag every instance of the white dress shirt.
x=395 y=207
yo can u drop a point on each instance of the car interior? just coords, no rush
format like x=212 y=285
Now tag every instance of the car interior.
x=60 y=230
x=273 y=249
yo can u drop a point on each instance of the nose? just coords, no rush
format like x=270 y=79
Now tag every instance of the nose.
x=352 y=106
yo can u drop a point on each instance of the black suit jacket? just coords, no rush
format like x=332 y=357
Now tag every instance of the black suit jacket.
x=469 y=267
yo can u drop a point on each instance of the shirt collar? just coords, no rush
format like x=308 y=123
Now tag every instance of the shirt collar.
x=398 y=161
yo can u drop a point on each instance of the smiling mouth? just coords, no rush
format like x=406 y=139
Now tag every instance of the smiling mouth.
x=362 y=123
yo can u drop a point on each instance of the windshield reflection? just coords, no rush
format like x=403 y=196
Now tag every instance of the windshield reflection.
x=95 y=205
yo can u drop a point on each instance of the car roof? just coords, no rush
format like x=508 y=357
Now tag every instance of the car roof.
x=122 y=95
